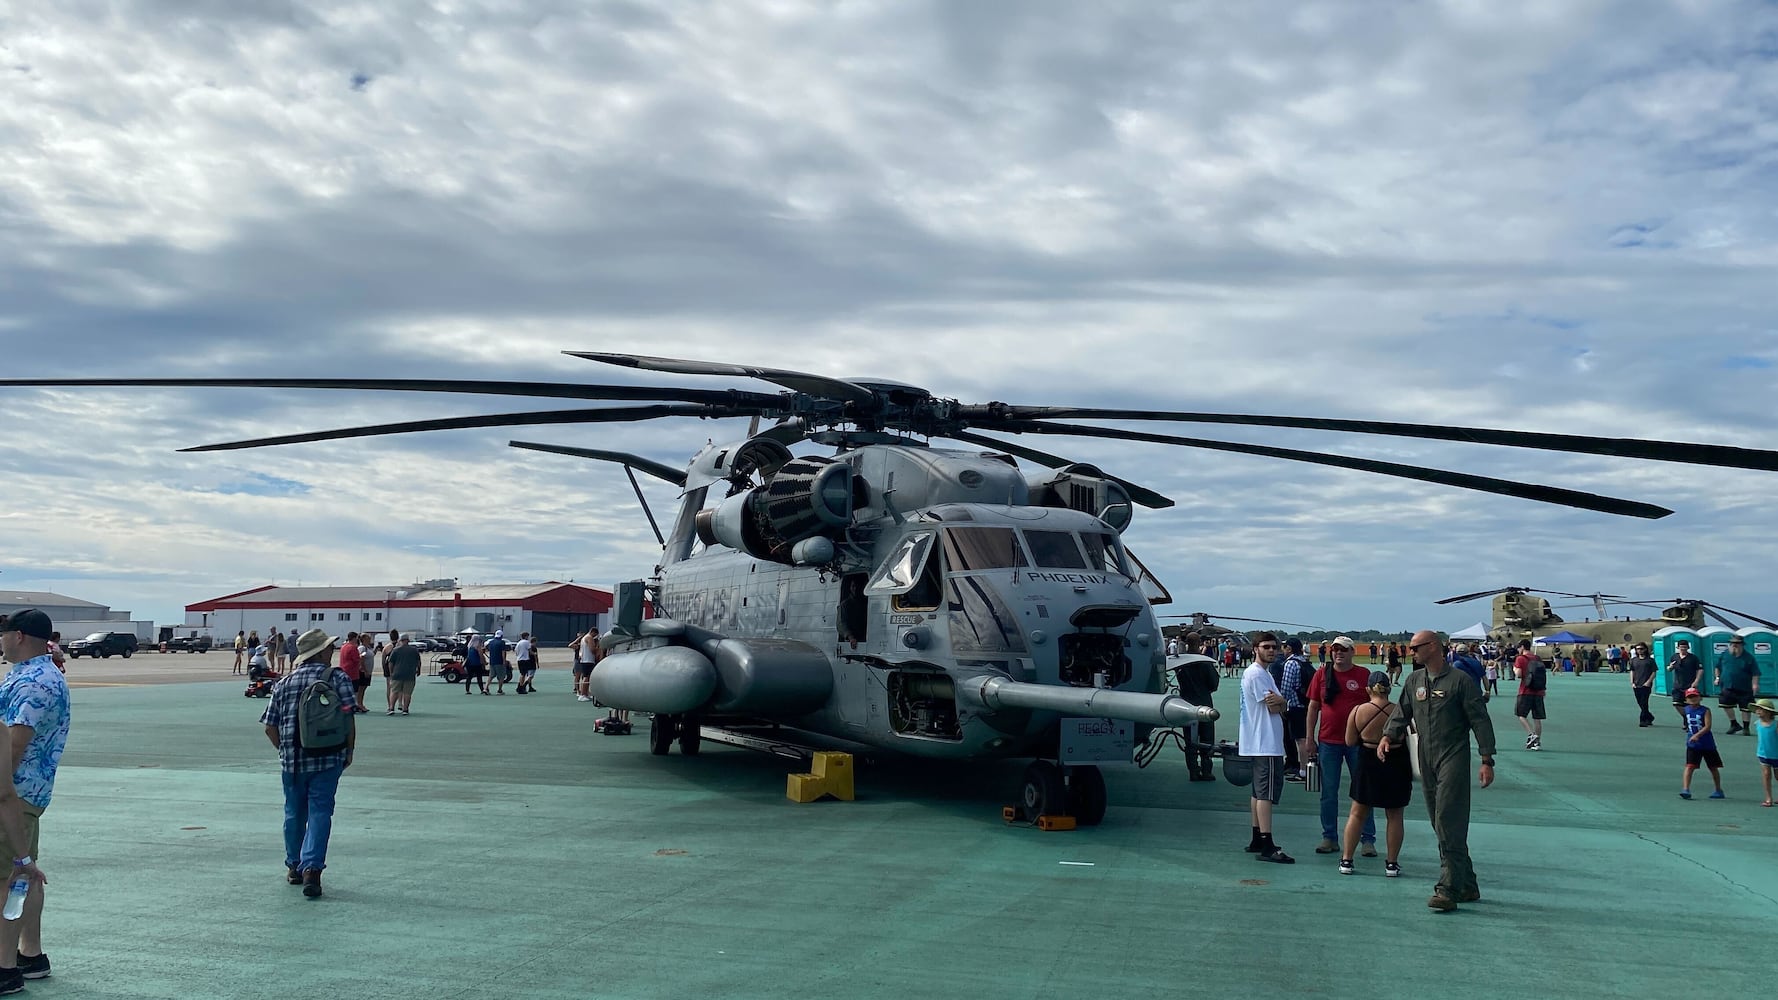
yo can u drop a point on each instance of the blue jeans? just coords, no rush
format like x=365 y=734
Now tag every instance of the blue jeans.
x=308 y=817
x=1330 y=757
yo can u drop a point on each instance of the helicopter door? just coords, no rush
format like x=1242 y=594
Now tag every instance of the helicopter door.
x=854 y=617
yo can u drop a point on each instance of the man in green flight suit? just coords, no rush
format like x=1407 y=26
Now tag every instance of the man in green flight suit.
x=1445 y=705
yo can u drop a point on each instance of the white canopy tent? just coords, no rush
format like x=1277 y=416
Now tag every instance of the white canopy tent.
x=1474 y=632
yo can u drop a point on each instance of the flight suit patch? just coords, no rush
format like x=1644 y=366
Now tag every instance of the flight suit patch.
x=1420 y=694
x=1436 y=693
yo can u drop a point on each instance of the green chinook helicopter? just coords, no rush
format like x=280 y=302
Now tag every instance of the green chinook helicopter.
x=936 y=601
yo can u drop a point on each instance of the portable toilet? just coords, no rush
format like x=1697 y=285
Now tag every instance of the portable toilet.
x=1663 y=647
x=1715 y=642
x=1763 y=644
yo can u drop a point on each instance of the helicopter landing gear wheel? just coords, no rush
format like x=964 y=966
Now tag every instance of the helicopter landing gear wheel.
x=691 y=738
x=1086 y=795
x=661 y=731
x=1044 y=793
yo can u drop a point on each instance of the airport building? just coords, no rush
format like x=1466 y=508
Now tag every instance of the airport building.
x=551 y=612
x=73 y=617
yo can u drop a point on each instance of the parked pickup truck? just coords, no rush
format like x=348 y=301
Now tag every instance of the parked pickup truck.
x=103 y=644
x=190 y=644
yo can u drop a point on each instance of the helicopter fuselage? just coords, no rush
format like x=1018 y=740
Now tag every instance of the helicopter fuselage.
x=955 y=629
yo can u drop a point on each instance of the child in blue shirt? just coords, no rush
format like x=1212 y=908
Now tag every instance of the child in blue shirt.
x=1700 y=744
x=1765 y=726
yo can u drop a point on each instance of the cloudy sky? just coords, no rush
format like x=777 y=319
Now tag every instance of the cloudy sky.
x=1543 y=216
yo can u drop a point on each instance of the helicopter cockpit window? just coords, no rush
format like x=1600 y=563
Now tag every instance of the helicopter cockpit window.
x=1104 y=553
x=968 y=549
x=1054 y=549
x=904 y=566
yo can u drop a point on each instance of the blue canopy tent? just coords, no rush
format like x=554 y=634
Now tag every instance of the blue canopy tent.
x=1566 y=637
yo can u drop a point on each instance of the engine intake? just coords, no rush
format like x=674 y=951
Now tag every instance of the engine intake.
x=808 y=497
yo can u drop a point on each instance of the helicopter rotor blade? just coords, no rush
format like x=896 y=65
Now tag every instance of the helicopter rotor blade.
x=540 y=390
x=1483 y=593
x=818 y=385
x=637 y=462
x=1141 y=494
x=1484 y=484
x=1723 y=456
x=610 y=415
x=1742 y=614
x=1710 y=612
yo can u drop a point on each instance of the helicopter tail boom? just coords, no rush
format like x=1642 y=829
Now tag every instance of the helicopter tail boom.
x=991 y=693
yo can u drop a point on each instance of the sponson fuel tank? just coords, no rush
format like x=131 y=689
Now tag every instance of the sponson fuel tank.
x=667 y=679
x=704 y=670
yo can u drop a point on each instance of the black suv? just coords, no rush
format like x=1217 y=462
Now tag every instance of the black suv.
x=103 y=644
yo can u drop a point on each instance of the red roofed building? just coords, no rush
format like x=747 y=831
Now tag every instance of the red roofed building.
x=551 y=612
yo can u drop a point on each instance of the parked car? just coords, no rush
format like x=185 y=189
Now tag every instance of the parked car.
x=103 y=644
x=190 y=644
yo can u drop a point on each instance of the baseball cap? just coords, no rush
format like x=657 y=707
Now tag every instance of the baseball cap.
x=1378 y=677
x=1693 y=693
x=1346 y=641
x=30 y=621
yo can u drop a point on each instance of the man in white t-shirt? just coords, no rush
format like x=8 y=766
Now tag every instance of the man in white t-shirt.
x=1262 y=742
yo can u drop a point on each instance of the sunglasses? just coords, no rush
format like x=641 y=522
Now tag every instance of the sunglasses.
x=1416 y=646
x=1268 y=645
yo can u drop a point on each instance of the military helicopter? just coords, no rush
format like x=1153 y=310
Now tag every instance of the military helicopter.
x=1204 y=623
x=934 y=601
x=1520 y=615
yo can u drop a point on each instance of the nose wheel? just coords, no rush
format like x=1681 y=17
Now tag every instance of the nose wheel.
x=1052 y=790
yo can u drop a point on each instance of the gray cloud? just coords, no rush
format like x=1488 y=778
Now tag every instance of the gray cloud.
x=1505 y=215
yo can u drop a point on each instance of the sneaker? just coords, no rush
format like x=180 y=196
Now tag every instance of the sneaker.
x=11 y=981
x=1529 y=740
x=1277 y=857
x=404 y=711
x=1346 y=867
x=1441 y=903
x=1326 y=846
x=34 y=966
x=582 y=697
x=312 y=883
x=390 y=712
x=1253 y=847
x=1718 y=794
x=1685 y=793
x=1391 y=870
x=1368 y=849
x=1293 y=776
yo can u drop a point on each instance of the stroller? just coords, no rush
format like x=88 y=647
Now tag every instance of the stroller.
x=260 y=679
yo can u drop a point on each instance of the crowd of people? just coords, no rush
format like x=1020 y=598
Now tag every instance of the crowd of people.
x=1338 y=719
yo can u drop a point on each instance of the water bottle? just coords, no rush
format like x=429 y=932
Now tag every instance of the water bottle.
x=15 y=896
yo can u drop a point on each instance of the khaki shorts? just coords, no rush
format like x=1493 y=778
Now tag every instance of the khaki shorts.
x=32 y=814
x=401 y=687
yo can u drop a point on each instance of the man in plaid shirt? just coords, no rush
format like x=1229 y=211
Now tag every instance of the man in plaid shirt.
x=311 y=780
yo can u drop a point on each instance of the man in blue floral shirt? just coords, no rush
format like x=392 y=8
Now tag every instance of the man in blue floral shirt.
x=34 y=707
x=311 y=780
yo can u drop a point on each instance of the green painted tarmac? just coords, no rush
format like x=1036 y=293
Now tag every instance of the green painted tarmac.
x=497 y=847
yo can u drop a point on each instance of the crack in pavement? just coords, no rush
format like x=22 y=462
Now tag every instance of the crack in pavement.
x=1722 y=875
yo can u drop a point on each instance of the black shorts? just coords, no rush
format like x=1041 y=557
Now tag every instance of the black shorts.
x=1735 y=698
x=1709 y=758
x=1530 y=706
x=583 y=669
